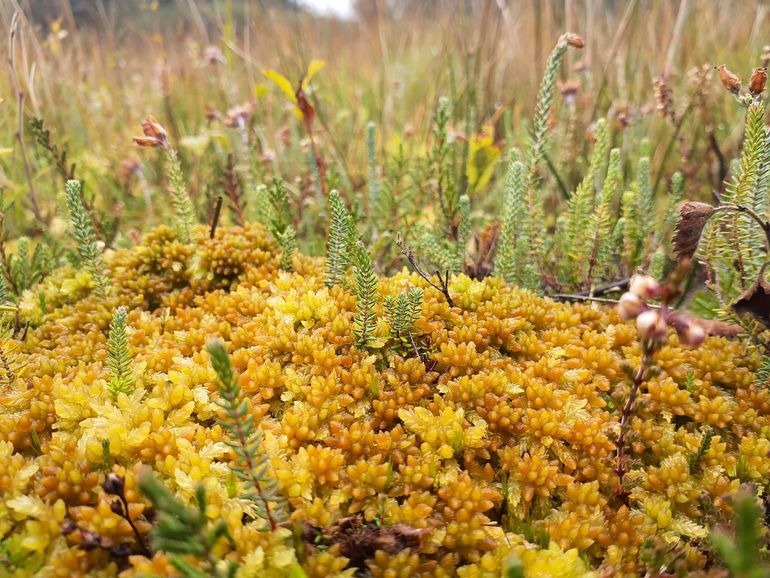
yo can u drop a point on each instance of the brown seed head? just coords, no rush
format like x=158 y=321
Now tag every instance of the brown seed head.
x=729 y=80
x=574 y=40
x=154 y=134
x=153 y=128
x=758 y=81
x=664 y=100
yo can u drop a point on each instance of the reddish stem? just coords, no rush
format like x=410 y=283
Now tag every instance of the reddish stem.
x=316 y=156
x=621 y=458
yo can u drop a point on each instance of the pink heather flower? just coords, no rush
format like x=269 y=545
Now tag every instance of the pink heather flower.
x=629 y=306
x=644 y=286
x=651 y=325
x=691 y=334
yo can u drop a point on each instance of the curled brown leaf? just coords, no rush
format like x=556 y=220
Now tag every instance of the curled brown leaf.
x=154 y=134
x=693 y=216
x=756 y=301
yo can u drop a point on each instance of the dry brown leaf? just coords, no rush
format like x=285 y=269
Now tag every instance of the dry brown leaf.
x=756 y=301
x=481 y=250
x=693 y=217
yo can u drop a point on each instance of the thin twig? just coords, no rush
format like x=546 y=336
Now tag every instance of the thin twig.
x=127 y=517
x=714 y=145
x=620 y=285
x=20 y=96
x=621 y=458
x=443 y=286
x=581 y=297
x=670 y=146
x=619 y=32
x=215 y=219
x=414 y=345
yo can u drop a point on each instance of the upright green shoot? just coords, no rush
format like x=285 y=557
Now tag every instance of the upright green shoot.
x=118 y=359
x=464 y=232
x=83 y=233
x=740 y=552
x=366 y=295
x=507 y=265
x=402 y=312
x=538 y=142
x=180 y=198
x=251 y=464
x=730 y=247
x=446 y=189
x=338 y=246
x=279 y=223
x=371 y=158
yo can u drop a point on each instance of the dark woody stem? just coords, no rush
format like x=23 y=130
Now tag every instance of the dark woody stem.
x=127 y=517
x=621 y=454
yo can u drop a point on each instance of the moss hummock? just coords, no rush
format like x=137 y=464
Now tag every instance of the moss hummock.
x=493 y=434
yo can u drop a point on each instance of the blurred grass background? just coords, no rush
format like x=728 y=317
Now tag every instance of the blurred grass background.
x=92 y=69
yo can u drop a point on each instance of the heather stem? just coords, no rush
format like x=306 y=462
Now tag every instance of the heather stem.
x=127 y=516
x=621 y=458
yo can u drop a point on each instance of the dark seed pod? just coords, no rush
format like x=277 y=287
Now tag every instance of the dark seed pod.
x=758 y=81
x=729 y=80
x=114 y=485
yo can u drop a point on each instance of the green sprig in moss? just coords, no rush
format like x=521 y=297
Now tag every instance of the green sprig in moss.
x=83 y=233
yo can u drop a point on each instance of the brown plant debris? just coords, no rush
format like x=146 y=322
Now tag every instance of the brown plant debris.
x=756 y=300
x=693 y=216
